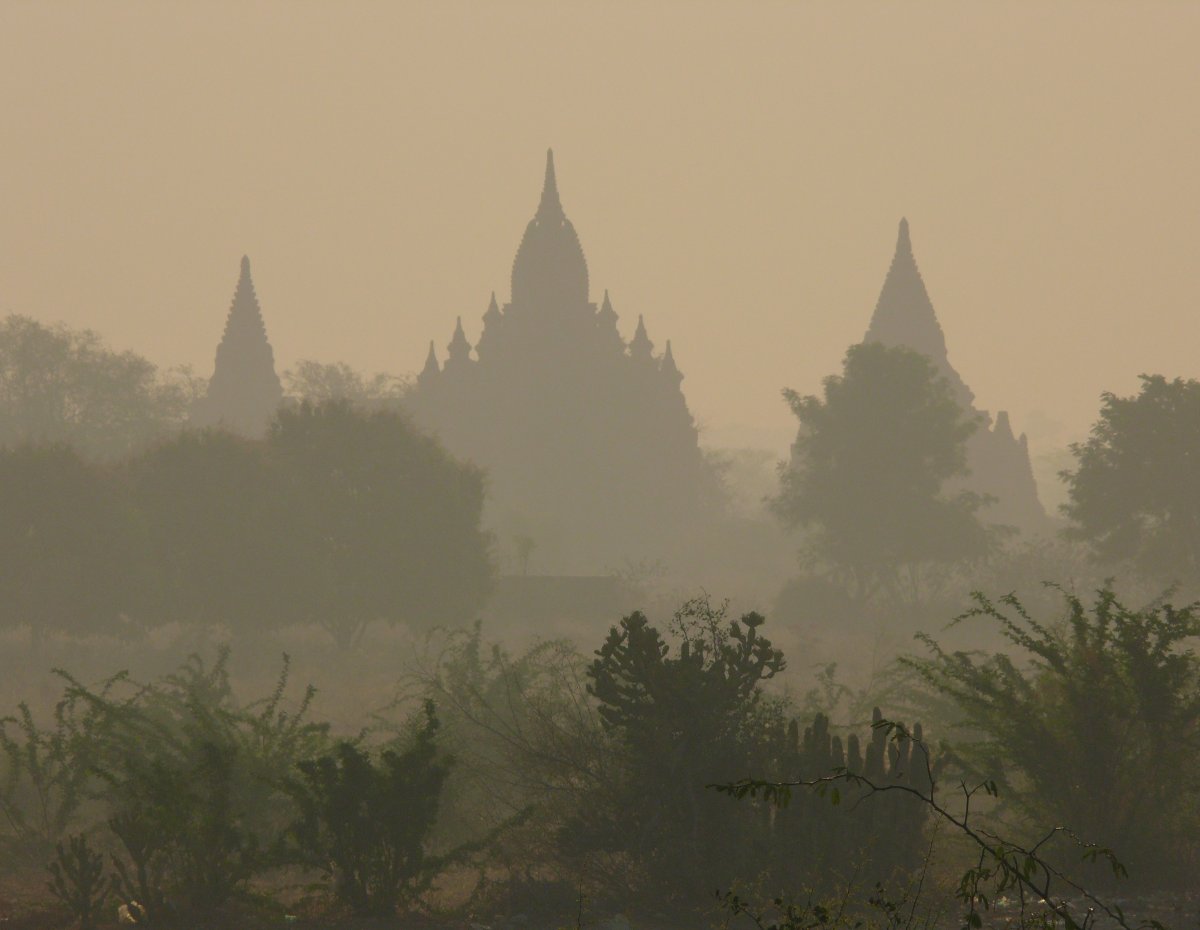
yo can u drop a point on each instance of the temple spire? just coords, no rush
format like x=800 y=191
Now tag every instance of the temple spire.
x=606 y=308
x=904 y=316
x=244 y=390
x=640 y=347
x=550 y=204
x=669 y=367
x=431 y=369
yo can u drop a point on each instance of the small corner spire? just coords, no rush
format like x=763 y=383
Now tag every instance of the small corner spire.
x=669 y=367
x=640 y=347
x=431 y=369
x=459 y=348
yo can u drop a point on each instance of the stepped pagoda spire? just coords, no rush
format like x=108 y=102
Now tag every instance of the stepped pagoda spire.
x=904 y=315
x=244 y=390
x=549 y=272
x=640 y=347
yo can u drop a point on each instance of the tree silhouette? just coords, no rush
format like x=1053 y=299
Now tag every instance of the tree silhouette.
x=1134 y=491
x=382 y=524
x=62 y=385
x=68 y=542
x=868 y=470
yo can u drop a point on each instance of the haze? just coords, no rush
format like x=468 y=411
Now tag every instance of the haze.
x=735 y=173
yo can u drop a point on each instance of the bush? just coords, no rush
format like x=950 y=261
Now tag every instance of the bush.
x=365 y=821
x=1096 y=727
x=684 y=720
x=193 y=783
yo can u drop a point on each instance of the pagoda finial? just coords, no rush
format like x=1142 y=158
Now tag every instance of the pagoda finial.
x=640 y=347
x=550 y=204
x=903 y=243
x=493 y=307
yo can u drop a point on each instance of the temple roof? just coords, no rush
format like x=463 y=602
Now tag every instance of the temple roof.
x=549 y=272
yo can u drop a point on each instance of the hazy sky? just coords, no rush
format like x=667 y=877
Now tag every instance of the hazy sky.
x=735 y=171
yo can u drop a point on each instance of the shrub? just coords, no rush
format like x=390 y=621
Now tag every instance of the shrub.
x=1096 y=726
x=365 y=821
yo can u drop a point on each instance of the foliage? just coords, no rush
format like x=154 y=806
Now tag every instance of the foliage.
x=683 y=720
x=69 y=545
x=78 y=880
x=193 y=783
x=381 y=522
x=215 y=528
x=366 y=822
x=47 y=776
x=318 y=383
x=59 y=385
x=1133 y=490
x=1097 y=729
x=340 y=517
x=870 y=467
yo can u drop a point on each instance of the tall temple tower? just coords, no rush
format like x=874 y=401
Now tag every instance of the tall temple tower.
x=998 y=460
x=588 y=443
x=244 y=391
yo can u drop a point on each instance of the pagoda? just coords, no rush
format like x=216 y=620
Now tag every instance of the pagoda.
x=244 y=391
x=998 y=460
x=587 y=440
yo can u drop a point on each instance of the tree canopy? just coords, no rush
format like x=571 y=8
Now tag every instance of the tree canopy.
x=870 y=466
x=64 y=385
x=1135 y=490
x=339 y=517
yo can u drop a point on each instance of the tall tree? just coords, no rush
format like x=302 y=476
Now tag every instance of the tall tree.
x=1135 y=490
x=382 y=523
x=869 y=467
x=63 y=385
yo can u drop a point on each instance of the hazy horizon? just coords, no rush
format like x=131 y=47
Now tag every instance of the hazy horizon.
x=736 y=179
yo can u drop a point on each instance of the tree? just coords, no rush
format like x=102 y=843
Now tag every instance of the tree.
x=318 y=382
x=381 y=522
x=870 y=467
x=685 y=720
x=62 y=385
x=1094 y=725
x=1134 y=491
x=68 y=542
x=209 y=503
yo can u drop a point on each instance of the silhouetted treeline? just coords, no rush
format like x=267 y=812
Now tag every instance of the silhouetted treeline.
x=338 y=517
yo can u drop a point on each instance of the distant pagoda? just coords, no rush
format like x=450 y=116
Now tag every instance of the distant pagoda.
x=998 y=460
x=588 y=443
x=244 y=391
